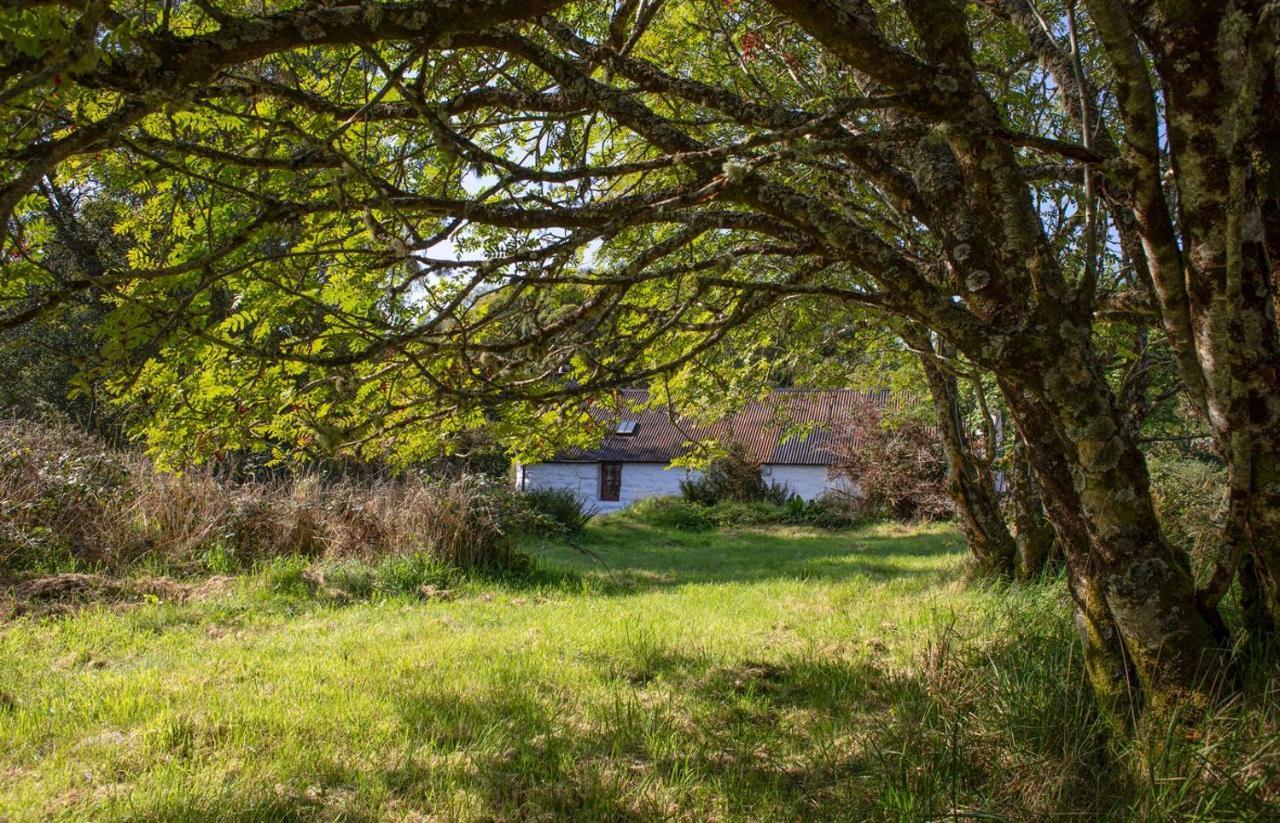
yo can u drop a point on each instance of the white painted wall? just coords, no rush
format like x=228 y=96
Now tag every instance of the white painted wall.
x=810 y=482
x=641 y=480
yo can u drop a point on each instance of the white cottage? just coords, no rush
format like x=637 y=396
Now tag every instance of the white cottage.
x=634 y=459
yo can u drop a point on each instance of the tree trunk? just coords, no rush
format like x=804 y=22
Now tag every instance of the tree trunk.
x=1262 y=614
x=1110 y=672
x=1212 y=258
x=969 y=479
x=1038 y=547
x=1170 y=640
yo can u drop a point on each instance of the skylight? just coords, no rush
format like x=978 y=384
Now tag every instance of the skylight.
x=626 y=427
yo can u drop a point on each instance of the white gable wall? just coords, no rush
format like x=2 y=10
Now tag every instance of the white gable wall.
x=810 y=482
x=641 y=480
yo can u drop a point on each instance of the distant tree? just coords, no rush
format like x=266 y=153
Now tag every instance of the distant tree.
x=969 y=476
x=50 y=361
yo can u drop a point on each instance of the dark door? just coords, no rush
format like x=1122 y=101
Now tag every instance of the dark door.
x=610 y=481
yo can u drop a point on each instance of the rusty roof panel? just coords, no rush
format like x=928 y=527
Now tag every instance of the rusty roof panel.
x=766 y=428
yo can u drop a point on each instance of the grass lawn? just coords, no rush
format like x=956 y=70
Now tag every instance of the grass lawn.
x=754 y=675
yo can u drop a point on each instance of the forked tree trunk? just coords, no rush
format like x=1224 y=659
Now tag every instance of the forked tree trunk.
x=1038 y=546
x=969 y=479
x=1130 y=578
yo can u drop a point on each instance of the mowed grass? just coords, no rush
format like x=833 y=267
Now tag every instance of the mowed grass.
x=742 y=675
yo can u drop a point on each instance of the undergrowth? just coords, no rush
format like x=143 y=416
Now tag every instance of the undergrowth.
x=70 y=504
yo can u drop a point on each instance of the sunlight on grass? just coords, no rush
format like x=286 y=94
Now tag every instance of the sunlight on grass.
x=650 y=674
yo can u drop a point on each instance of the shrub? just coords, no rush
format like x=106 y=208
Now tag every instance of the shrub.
x=178 y=516
x=734 y=477
x=59 y=488
x=757 y=513
x=898 y=470
x=697 y=490
x=672 y=513
x=830 y=512
x=465 y=523
x=556 y=511
x=833 y=512
x=1190 y=496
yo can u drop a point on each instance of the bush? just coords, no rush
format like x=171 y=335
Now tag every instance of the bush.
x=832 y=512
x=899 y=470
x=464 y=523
x=733 y=478
x=671 y=513
x=757 y=513
x=1190 y=497
x=556 y=511
x=59 y=489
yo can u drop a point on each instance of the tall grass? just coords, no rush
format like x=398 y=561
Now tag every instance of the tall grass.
x=67 y=502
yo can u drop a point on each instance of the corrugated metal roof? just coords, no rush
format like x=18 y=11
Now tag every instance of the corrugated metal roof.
x=762 y=427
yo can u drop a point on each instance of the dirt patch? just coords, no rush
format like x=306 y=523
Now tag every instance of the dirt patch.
x=749 y=675
x=64 y=587
x=64 y=593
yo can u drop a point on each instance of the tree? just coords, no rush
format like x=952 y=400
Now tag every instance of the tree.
x=351 y=221
x=1035 y=542
x=47 y=359
x=897 y=467
x=970 y=480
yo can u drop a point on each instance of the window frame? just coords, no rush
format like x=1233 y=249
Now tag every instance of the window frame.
x=608 y=471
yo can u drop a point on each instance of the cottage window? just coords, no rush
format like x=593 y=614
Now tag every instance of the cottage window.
x=610 y=481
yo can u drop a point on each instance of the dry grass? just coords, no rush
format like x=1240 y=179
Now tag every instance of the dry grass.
x=67 y=503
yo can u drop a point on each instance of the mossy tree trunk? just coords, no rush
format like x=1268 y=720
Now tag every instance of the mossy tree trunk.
x=969 y=478
x=1037 y=544
x=1110 y=670
x=1211 y=249
x=1129 y=583
x=1034 y=331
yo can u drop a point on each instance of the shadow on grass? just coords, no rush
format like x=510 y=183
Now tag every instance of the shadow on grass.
x=729 y=744
x=996 y=728
x=625 y=557
x=688 y=737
